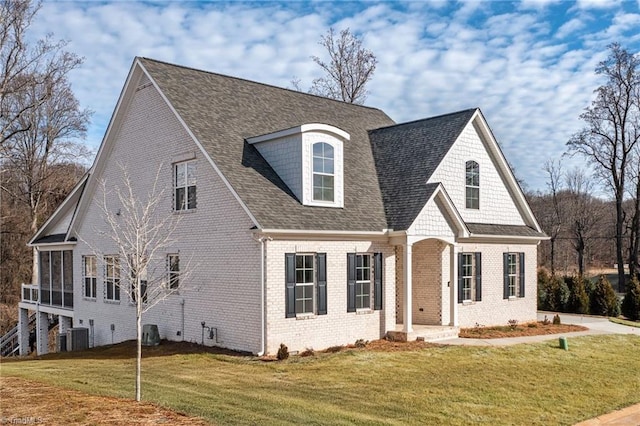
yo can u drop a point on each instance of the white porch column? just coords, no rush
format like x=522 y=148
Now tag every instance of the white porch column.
x=408 y=288
x=453 y=285
x=42 y=333
x=23 y=331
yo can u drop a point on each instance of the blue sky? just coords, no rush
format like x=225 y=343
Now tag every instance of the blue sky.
x=528 y=65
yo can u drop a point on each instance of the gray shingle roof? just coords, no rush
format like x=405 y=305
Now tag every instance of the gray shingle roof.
x=406 y=155
x=509 y=230
x=223 y=111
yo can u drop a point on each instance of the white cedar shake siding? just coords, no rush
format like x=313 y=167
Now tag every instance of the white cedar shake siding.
x=496 y=204
x=337 y=327
x=224 y=287
x=284 y=155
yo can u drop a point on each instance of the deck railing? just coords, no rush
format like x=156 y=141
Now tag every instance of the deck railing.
x=30 y=293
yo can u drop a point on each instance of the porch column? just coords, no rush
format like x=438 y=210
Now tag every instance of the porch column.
x=23 y=331
x=42 y=333
x=453 y=285
x=408 y=300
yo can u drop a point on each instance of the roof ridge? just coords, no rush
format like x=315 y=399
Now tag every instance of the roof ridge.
x=425 y=119
x=260 y=83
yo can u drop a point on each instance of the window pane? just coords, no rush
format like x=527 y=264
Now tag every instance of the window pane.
x=56 y=270
x=191 y=197
x=318 y=149
x=180 y=205
x=67 y=262
x=191 y=173
x=180 y=175
x=299 y=276
x=45 y=277
x=308 y=276
x=318 y=165
x=299 y=262
x=328 y=166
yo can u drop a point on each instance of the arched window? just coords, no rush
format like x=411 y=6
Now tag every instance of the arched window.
x=323 y=174
x=472 y=185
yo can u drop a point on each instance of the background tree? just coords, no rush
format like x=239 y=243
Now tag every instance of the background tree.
x=41 y=127
x=141 y=230
x=582 y=215
x=612 y=130
x=553 y=218
x=349 y=68
x=26 y=67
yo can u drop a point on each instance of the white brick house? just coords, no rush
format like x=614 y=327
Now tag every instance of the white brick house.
x=310 y=222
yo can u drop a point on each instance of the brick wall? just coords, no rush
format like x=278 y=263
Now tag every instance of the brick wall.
x=215 y=239
x=338 y=327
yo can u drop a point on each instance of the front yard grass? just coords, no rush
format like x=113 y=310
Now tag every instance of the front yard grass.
x=521 y=384
x=625 y=322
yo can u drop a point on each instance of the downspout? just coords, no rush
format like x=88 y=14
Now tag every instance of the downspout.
x=263 y=284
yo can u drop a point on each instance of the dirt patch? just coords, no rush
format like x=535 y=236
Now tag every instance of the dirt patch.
x=526 y=329
x=29 y=402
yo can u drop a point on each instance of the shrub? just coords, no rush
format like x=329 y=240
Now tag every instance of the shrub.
x=560 y=294
x=546 y=321
x=513 y=323
x=361 y=343
x=532 y=325
x=544 y=289
x=631 y=302
x=578 y=298
x=556 y=320
x=283 y=352
x=308 y=352
x=603 y=299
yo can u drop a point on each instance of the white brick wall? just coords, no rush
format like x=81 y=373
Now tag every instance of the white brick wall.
x=338 y=327
x=494 y=309
x=224 y=288
x=431 y=292
x=496 y=204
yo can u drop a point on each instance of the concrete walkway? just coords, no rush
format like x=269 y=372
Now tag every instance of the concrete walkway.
x=629 y=416
x=595 y=325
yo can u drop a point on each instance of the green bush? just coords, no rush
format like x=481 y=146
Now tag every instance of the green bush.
x=603 y=299
x=631 y=302
x=578 y=298
x=561 y=294
x=556 y=320
x=544 y=290
x=283 y=352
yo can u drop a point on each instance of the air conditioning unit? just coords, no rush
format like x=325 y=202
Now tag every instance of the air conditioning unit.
x=77 y=339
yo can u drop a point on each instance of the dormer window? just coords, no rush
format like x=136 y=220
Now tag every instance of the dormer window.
x=323 y=178
x=310 y=161
x=472 y=185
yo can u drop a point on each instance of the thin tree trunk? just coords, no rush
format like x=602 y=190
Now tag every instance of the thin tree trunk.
x=619 y=241
x=553 y=256
x=139 y=350
x=581 y=257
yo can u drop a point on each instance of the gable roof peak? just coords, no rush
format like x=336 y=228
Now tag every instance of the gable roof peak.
x=416 y=123
x=142 y=59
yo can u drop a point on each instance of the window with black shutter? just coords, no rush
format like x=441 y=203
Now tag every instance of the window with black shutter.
x=305 y=284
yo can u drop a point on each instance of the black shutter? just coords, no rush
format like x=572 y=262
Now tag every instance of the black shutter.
x=478 y=276
x=505 y=272
x=322 y=283
x=377 y=281
x=460 y=280
x=290 y=281
x=351 y=282
x=521 y=263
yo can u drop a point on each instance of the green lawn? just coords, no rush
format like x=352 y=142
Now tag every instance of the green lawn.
x=522 y=384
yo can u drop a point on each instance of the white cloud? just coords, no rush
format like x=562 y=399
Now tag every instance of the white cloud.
x=531 y=80
x=597 y=4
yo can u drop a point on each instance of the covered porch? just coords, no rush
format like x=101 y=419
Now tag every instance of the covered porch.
x=426 y=288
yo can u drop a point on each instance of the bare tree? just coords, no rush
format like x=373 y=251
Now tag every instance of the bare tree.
x=554 y=218
x=633 y=227
x=581 y=211
x=25 y=66
x=349 y=69
x=141 y=231
x=612 y=130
